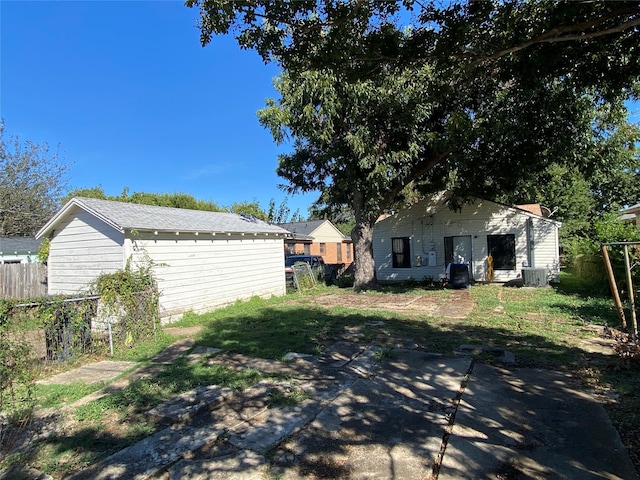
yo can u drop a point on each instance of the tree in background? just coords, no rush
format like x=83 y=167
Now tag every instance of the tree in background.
x=32 y=181
x=583 y=192
x=385 y=98
x=281 y=213
x=184 y=200
x=172 y=200
x=249 y=208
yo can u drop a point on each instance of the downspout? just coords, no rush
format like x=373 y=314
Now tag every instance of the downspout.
x=531 y=257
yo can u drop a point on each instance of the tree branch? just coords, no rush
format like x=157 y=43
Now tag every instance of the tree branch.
x=554 y=35
x=417 y=173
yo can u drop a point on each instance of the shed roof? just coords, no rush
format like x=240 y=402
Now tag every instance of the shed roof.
x=19 y=244
x=131 y=216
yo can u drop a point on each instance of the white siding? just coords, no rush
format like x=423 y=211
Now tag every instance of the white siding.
x=199 y=273
x=81 y=249
x=547 y=248
x=427 y=225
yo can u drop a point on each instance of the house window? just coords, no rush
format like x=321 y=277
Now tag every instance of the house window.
x=401 y=252
x=503 y=250
x=348 y=252
x=339 y=250
x=307 y=249
x=323 y=248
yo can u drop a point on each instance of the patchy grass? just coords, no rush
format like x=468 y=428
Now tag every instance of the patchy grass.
x=543 y=327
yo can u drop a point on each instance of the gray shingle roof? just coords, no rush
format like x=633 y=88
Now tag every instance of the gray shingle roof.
x=19 y=244
x=302 y=228
x=131 y=216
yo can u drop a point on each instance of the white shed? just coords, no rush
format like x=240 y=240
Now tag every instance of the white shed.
x=202 y=260
x=419 y=242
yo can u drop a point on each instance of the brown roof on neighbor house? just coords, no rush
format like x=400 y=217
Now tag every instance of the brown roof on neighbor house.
x=531 y=208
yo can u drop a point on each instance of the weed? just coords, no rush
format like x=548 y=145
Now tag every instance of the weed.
x=288 y=398
x=384 y=353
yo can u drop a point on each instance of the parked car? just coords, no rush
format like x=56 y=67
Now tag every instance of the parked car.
x=315 y=261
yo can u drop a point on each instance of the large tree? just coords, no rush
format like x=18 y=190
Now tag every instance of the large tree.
x=384 y=98
x=32 y=180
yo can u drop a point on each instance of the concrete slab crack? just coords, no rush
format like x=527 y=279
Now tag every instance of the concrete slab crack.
x=435 y=472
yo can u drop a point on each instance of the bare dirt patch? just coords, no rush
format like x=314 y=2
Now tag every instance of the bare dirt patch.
x=454 y=304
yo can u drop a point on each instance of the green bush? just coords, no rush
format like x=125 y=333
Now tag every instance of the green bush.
x=132 y=296
x=18 y=372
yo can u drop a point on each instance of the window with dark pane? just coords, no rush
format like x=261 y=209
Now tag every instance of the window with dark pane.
x=503 y=250
x=401 y=253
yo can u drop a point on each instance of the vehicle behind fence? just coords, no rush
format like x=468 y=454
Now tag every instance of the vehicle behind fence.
x=23 y=280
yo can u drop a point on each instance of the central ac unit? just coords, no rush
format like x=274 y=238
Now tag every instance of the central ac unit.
x=535 y=277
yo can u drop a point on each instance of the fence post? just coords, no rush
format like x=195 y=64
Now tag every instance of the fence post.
x=613 y=285
x=632 y=299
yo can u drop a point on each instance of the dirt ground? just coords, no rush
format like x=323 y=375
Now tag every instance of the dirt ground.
x=456 y=305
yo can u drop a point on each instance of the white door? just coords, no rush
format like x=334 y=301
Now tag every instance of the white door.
x=458 y=250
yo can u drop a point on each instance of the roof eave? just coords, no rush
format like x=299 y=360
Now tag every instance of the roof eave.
x=49 y=226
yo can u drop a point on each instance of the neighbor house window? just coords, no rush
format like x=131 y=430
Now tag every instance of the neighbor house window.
x=348 y=252
x=307 y=249
x=323 y=248
x=339 y=250
x=503 y=250
x=401 y=253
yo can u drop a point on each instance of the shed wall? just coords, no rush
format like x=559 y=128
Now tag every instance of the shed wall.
x=81 y=249
x=199 y=273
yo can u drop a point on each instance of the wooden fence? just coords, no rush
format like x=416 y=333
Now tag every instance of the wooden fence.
x=23 y=280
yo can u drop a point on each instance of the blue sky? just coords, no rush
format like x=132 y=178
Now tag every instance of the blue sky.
x=132 y=99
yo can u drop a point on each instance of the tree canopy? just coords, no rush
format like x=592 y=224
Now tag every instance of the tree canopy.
x=387 y=98
x=581 y=193
x=185 y=200
x=32 y=180
x=173 y=200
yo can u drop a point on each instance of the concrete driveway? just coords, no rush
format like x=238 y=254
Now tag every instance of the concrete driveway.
x=374 y=414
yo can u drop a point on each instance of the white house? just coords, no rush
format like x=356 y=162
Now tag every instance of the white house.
x=630 y=215
x=202 y=260
x=420 y=241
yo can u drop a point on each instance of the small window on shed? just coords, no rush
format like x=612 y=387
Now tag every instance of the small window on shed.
x=401 y=252
x=503 y=250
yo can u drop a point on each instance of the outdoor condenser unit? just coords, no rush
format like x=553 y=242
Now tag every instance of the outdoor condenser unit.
x=535 y=277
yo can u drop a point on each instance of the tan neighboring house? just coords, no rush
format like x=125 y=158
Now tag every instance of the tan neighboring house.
x=318 y=237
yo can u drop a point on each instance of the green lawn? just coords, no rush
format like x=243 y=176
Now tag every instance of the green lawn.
x=543 y=327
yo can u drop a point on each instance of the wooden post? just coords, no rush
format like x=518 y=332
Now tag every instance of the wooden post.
x=613 y=285
x=632 y=299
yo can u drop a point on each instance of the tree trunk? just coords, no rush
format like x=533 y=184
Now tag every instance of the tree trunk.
x=362 y=234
